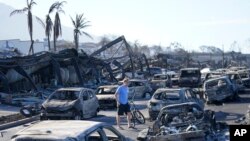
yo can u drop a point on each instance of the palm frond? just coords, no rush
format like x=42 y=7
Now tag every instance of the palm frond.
x=73 y=22
x=18 y=11
x=57 y=26
x=40 y=21
x=30 y=24
x=49 y=26
x=53 y=7
x=85 y=33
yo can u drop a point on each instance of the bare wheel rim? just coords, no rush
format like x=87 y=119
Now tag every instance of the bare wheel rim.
x=77 y=117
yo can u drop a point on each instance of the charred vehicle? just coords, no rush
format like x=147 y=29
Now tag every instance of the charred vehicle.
x=106 y=96
x=69 y=131
x=236 y=80
x=245 y=120
x=153 y=70
x=74 y=103
x=244 y=74
x=175 y=79
x=141 y=88
x=190 y=77
x=161 y=81
x=218 y=89
x=181 y=122
x=165 y=96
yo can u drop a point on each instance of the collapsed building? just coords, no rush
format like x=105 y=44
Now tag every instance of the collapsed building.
x=67 y=68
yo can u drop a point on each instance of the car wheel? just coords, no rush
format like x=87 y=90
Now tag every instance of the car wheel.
x=95 y=114
x=77 y=116
x=147 y=95
x=43 y=118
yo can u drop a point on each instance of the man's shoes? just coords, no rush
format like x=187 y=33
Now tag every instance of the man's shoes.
x=130 y=126
x=119 y=127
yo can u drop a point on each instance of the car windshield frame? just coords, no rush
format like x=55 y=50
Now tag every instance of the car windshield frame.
x=102 y=91
x=68 y=95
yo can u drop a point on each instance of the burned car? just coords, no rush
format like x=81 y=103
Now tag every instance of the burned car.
x=190 y=77
x=161 y=81
x=106 y=96
x=140 y=87
x=69 y=131
x=218 y=89
x=167 y=96
x=74 y=103
x=235 y=78
x=244 y=74
x=180 y=122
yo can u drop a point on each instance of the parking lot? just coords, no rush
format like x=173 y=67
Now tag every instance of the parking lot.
x=227 y=112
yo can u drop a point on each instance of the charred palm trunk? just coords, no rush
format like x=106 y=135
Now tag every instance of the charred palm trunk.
x=76 y=40
x=31 y=50
x=49 y=43
x=30 y=27
x=54 y=41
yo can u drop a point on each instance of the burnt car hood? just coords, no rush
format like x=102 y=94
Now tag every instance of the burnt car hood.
x=59 y=105
x=105 y=97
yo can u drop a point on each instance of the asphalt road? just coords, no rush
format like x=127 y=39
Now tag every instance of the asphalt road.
x=227 y=111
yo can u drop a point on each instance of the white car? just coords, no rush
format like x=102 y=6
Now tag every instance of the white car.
x=74 y=103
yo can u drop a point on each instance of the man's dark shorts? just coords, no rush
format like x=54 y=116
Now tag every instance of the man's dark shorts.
x=123 y=108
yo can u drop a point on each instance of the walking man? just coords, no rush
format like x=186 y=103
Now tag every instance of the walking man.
x=123 y=106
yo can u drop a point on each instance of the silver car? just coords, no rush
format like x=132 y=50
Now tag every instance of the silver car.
x=74 y=103
x=161 y=81
x=141 y=88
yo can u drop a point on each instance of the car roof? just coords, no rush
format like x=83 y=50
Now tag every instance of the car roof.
x=159 y=90
x=181 y=104
x=190 y=69
x=60 y=129
x=140 y=80
x=160 y=74
x=72 y=89
x=108 y=86
x=217 y=78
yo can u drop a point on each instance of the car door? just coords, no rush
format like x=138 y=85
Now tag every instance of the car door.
x=140 y=89
x=86 y=105
x=93 y=102
x=131 y=89
x=191 y=97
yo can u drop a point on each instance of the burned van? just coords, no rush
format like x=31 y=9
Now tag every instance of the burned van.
x=190 y=77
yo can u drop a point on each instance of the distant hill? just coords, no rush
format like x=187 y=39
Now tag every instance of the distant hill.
x=15 y=27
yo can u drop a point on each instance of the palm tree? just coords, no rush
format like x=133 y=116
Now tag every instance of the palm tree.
x=57 y=23
x=79 y=24
x=48 y=29
x=29 y=17
x=48 y=25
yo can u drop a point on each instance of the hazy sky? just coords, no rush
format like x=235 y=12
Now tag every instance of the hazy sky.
x=191 y=22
